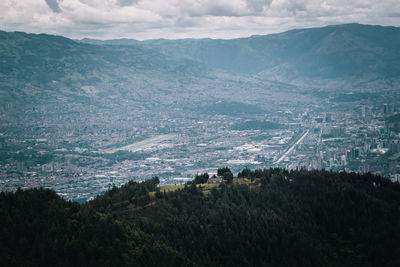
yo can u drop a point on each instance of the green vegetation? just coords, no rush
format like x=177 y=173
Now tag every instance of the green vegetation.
x=201 y=179
x=353 y=97
x=395 y=156
x=170 y=188
x=268 y=217
x=226 y=174
x=393 y=123
x=256 y=125
x=122 y=156
x=29 y=157
x=205 y=188
x=393 y=119
x=229 y=108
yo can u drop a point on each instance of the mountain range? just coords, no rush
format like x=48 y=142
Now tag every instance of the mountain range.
x=32 y=64
x=348 y=51
x=56 y=72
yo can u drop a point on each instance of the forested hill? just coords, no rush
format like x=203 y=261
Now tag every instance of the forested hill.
x=269 y=218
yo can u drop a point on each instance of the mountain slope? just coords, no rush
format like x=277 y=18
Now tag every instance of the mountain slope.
x=35 y=63
x=349 y=51
x=328 y=52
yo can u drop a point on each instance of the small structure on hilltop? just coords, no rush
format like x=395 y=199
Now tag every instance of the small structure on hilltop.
x=215 y=180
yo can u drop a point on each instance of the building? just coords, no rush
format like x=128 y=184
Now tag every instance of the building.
x=215 y=180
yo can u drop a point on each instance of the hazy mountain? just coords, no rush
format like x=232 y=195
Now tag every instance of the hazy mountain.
x=123 y=41
x=32 y=64
x=350 y=51
x=329 y=52
x=333 y=55
x=43 y=69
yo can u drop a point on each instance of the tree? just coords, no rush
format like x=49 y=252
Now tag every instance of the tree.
x=223 y=170
x=246 y=173
x=201 y=179
x=228 y=176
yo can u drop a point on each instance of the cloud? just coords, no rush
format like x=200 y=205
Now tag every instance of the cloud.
x=106 y=13
x=258 y=5
x=53 y=4
x=144 y=19
x=127 y=2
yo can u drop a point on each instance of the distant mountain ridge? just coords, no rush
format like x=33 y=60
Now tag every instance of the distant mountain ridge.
x=331 y=52
x=46 y=54
x=34 y=63
x=40 y=67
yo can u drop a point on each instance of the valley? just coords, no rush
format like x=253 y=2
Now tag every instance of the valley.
x=80 y=116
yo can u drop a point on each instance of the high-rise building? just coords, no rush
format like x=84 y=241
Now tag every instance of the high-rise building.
x=348 y=154
x=363 y=111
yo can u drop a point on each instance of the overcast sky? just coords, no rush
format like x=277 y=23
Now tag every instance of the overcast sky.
x=148 y=19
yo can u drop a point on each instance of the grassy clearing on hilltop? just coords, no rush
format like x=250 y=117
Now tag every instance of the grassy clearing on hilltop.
x=206 y=187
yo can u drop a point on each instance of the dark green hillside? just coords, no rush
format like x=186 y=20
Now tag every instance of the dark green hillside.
x=38 y=228
x=281 y=218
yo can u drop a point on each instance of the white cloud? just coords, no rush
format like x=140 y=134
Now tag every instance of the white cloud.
x=143 y=19
x=88 y=12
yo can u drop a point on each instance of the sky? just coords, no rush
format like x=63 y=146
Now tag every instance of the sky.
x=173 y=19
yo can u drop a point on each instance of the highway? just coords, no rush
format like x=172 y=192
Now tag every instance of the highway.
x=292 y=147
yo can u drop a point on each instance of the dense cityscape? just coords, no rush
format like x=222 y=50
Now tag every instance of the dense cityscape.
x=344 y=132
